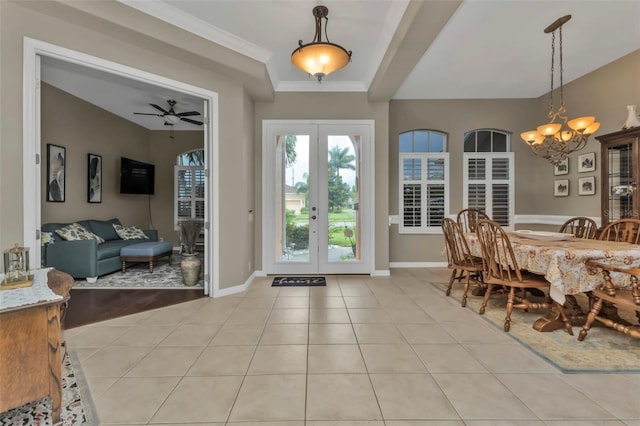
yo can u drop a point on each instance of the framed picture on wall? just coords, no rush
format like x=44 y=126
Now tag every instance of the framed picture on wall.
x=56 y=164
x=587 y=162
x=562 y=168
x=94 y=178
x=561 y=188
x=587 y=185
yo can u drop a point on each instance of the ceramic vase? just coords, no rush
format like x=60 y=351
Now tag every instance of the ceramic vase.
x=632 y=117
x=190 y=266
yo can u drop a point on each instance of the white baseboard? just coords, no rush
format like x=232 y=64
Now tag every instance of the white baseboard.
x=381 y=273
x=418 y=264
x=235 y=289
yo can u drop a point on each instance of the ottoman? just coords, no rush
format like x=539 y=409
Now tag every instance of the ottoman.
x=145 y=252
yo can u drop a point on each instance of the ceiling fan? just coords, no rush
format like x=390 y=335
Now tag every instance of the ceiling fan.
x=171 y=117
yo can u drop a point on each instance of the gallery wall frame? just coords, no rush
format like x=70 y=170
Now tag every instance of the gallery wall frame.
x=562 y=168
x=587 y=162
x=94 y=178
x=56 y=171
x=587 y=185
x=561 y=188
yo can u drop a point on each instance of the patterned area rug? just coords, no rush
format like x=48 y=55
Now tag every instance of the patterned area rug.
x=602 y=351
x=165 y=275
x=298 y=281
x=77 y=405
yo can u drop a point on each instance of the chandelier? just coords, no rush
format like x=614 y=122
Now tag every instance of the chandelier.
x=555 y=140
x=320 y=58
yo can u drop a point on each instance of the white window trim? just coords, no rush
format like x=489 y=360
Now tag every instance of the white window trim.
x=424 y=156
x=488 y=181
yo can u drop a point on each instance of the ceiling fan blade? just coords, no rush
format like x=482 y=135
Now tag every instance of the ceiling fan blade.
x=159 y=108
x=145 y=113
x=188 y=120
x=187 y=114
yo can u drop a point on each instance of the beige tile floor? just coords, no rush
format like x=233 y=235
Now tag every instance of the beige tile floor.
x=366 y=351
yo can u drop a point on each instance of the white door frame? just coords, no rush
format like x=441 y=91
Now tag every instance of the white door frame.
x=366 y=187
x=31 y=142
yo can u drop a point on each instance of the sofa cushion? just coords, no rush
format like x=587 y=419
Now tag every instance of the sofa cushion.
x=111 y=248
x=75 y=231
x=130 y=233
x=104 y=228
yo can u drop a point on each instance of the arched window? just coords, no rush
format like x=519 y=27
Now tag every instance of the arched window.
x=424 y=181
x=189 y=177
x=489 y=175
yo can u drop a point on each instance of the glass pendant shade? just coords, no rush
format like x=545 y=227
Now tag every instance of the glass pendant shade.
x=320 y=58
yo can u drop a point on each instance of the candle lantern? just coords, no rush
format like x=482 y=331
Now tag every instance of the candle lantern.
x=16 y=268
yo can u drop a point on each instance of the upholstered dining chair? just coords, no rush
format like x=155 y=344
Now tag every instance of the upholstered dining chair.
x=500 y=268
x=580 y=227
x=468 y=218
x=626 y=230
x=626 y=299
x=459 y=258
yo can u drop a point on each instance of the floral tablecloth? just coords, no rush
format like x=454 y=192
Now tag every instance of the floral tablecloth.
x=562 y=262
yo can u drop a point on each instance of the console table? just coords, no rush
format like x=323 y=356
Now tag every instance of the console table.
x=30 y=336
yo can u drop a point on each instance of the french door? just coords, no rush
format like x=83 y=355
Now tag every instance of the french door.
x=316 y=194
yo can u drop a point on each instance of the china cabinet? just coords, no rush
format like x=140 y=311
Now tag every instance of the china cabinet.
x=620 y=173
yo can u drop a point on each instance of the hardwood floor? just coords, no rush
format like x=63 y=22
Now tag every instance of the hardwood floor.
x=87 y=306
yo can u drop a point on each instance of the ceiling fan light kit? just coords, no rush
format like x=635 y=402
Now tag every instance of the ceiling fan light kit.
x=555 y=141
x=172 y=117
x=320 y=58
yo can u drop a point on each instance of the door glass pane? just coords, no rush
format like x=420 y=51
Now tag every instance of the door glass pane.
x=292 y=193
x=343 y=198
x=621 y=184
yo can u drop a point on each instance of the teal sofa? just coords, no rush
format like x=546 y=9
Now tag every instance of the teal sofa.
x=86 y=258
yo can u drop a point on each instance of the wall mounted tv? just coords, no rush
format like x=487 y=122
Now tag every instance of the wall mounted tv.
x=136 y=177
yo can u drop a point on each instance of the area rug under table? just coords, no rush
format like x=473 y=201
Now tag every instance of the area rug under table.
x=603 y=350
x=77 y=405
x=298 y=281
x=165 y=275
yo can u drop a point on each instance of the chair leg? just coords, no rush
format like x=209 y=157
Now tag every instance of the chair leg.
x=466 y=289
x=593 y=312
x=485 y=299
x=510 y=299
x=565 y=318
x=451 y=279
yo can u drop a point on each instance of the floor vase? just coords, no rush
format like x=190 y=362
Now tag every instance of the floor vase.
x=190 y=266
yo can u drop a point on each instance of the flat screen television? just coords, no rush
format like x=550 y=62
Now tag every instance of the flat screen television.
x=136 y=177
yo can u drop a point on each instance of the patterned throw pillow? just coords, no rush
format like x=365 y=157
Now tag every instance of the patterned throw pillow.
x=129 y=233
x=75 y=231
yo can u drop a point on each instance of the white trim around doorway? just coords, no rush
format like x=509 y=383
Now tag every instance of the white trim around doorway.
x=32 y=50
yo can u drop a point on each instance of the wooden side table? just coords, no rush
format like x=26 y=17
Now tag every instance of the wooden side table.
x=30 y=349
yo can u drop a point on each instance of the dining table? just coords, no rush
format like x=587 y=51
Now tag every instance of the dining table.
x=561 y=260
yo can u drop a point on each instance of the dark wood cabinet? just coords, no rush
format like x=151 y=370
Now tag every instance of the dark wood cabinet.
x=620 y=171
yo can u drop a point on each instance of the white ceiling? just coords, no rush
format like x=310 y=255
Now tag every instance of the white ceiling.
x=487 y=49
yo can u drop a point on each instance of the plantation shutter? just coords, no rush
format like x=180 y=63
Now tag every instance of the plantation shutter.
x=189 y=193
x=489 y=185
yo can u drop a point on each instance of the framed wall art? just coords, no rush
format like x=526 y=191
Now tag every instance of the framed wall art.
x=94 y=178
x=562 y=168
x=56 y=164
x=587 y=162
x=561 y=188
x=587 y=185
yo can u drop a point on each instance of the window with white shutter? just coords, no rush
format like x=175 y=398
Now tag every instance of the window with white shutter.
x=189 y=182
x=489 y=175
x=424 y=181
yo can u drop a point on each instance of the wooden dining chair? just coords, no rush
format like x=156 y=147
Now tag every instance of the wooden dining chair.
x=500 y=268
x=625 y=230
x=459 y=258
x=580 y=227
x=627 y=299
x=468 y=218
